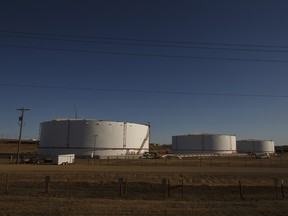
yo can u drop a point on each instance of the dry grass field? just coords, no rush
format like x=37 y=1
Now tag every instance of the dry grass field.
x=193 y=186
x=10 y=146
x=85 y=188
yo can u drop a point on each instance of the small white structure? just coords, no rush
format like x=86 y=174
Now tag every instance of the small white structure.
x=255 y=146
x=63 y=159
x=204 y=144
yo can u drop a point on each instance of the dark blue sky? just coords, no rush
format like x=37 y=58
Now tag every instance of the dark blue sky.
x=44 y=44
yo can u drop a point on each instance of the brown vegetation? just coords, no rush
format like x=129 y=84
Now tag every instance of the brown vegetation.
x=10 y=146
x=160 y=149
x=94 y=189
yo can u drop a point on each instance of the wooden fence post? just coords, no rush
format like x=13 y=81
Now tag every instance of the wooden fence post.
x=282 y=188
x=240 y=190
x=11 y=159
x=67 y=187
x=47 y=181
x=270 y=161
x=182 y=188
x=122 y=187
x=169 y=187
x=164 y=187
x=276 y=186
x=6 y=183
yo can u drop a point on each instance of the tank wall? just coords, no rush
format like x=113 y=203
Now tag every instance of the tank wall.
x=187 y=143
x=135 y=136
x=84 y=137
x=217 y=143
x=203 y=143
x=266 y=146
x=255 y=146
x=108 y=135
x=54 y=133
x=80 y=134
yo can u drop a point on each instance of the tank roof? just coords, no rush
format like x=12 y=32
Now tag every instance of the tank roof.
x=206 y=134
x=253 y=140
x=96 y=120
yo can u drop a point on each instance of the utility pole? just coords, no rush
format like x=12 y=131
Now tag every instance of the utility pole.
x=95 y=136
x=21 y=119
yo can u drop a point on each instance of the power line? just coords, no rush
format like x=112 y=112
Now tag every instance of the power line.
x=146 y=55
x=144 y=44
x=147 y=40
x=146 y=91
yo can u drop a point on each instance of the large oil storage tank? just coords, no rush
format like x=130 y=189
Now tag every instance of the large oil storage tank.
x=204 y=144
x=255 y=146
x=92 y=137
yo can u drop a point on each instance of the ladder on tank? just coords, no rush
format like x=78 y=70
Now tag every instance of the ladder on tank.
x=144 y=141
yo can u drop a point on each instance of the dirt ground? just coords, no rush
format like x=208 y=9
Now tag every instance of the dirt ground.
x=95 y=189
x=90 y=206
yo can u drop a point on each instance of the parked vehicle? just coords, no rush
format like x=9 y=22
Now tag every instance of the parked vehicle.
x=262 y=155
x=172 y=156
x=149 y=155
x=63 y=159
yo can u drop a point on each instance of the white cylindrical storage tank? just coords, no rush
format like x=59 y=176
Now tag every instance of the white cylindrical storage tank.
x=255 y=146
x=93 y=137
x=204 y=144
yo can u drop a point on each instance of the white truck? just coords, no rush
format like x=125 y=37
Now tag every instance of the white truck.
x=262 y=155
x=63 y=159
